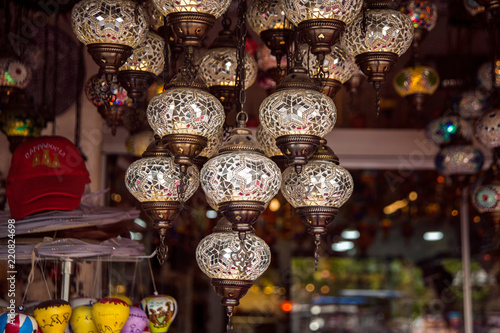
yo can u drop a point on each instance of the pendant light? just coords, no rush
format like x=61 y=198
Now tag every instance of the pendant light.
x=297 y=115
x=416 y=83
x=321 y=23
x=423 y=14
x=157 y=182
x=110 y=29
x=318 y=191
x=142 y=67
x=376 y=38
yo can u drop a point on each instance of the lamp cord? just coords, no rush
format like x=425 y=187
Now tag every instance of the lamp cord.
x=241 y=116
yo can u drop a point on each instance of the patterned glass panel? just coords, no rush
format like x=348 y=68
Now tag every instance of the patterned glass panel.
x=218 y=67
x=298 y=111
x=221 y=256
x=158 y=179
x=422 y=13
x=240 y=176
x=301 y=10
x=267 y=142
x=109 y=21
x=185 y=110
x=488 y=129
x=320 y=183
x=338 y=64
x=213 y=145
x=386 y=31
x=212 y=7
x=149 y=56
x=486 y=198
x=272 y=18
x=459 y=160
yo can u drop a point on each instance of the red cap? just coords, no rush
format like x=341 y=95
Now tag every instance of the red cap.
x=45 y=173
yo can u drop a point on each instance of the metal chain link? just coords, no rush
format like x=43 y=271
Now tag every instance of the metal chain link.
x=241 y=30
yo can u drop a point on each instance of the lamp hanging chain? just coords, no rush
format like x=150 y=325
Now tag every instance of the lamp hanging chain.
x=241 y=116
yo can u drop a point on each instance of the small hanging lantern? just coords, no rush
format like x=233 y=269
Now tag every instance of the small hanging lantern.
x=423 y=14
x=416 y=83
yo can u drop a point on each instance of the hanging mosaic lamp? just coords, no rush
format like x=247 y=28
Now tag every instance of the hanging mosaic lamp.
x=232 y=264
x=297 y=115
x=416 y=83
x=487 y=129
x=14 y=76
x=443 y=129
x=472 y=104
x=486 y=195
x=318 y=191
x=157 y=182
x=110 y=29
x=319 y=23
x=423 y=14
x=338 y=67
x=142 y=67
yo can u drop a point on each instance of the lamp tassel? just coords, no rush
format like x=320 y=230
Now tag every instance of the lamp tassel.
x=317 y=242
x=376 y=85
x=162 y=249
x=229 y=311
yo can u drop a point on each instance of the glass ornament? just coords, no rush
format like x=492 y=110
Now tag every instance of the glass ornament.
x=148 y=56
x=53 y=316
x=416 y=80
x=472 y=104
x=459 y=160
x=213 y=145
x=211 y=7
x=95 y=87
x=422 y=13
x=486 y=198
x=378 y=30
x=298 y=11
x=272 y=18
x=138 y=142
x=222 y=255
x=81 y=320
x=484 y=76
x=298 y=111
x=158 y=179
x=17 y=323
x=443 y=129
x=240 y=176
x=487 y=129
x=161 y=311
x=109 y=21
x=337 y=65
x=14 y=73
x=217 y=67
x=321 y=183
x=185 y=110
x=136 y=322
x=110 y=315
x=267 y=142
x=266 y=61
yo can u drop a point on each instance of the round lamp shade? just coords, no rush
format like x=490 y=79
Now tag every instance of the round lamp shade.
x=217 y=256
x=472 y=104
x=298 y=11
x=416 y=80
x=298 y=111
x=441 y=130
x=148 y=56
x=267 y=142
x=136 y=322
x=379 y=30
x=187 y=111
x=53 y=316
x=487 y=129
x=459 y=160
x=240 y=176
x=94 y=90
x=109 y=21
x=161 y=313
x=422 y=13
x=17 y=323
x=81 y=320
x=337 y=65
x=486 y=198
x=213 y=145
x=158 y=179
x=110 y=315
x=211 y=7
x=218 y=66
x=14 y=73
x=321 y=183
x=272 y=18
